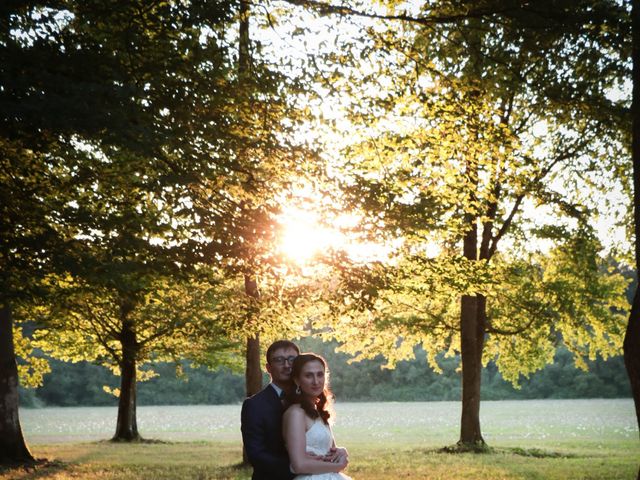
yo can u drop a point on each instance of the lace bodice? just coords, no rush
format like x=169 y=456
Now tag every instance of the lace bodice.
x=319 y=438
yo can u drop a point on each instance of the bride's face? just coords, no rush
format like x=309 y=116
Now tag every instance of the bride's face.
x=311 y=378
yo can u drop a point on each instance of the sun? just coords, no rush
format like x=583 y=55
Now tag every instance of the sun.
x=311 y=224
x=306 y=235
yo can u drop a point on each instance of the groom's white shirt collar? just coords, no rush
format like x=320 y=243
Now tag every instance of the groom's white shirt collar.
x=277 y=389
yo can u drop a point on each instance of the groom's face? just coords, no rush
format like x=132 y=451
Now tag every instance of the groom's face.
x=279 y=366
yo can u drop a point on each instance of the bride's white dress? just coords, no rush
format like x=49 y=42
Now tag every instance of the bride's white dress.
x=319 y=440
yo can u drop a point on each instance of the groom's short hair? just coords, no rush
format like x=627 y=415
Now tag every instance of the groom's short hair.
x=281 y=344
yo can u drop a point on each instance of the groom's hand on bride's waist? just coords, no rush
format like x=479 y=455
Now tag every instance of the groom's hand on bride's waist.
x=337 y=455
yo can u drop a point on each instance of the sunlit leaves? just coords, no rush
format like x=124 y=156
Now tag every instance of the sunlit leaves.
x=496 y=122
x=502 y=121
x=571 y=295
x=133 y=111
x=31 y=368
x=172 y=319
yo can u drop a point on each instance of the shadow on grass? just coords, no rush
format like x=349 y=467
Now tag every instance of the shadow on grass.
x=535 y=453
x=42 y=468
x=136 y=441
x=523 y=452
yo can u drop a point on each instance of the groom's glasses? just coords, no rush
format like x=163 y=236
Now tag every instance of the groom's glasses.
x=281 y=360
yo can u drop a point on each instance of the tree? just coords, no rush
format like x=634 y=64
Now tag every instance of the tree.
x=164 y=320
x=253 y=370
x=118 y=111
x=240 y=230
x=28 y=242
x=472 y=124
x=170 y=170
x=632 y=334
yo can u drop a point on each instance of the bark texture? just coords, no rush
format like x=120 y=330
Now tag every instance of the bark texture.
x=13 y=448
x=253 y=370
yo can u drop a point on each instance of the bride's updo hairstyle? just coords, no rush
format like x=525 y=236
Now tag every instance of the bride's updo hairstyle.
x=323 y=405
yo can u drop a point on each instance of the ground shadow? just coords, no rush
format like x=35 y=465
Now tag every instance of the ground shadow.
x=523 y=452
x=42 y=468
x=535 y=452
x=136 y=441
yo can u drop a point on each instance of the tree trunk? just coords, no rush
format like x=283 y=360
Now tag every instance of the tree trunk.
x=13 y=448
x=253 y=371
x=632 y=352
x=470 y=433
x=471 y=335
x=631 y=344
x=253 y=377
x=244 y=58
x=127 y=427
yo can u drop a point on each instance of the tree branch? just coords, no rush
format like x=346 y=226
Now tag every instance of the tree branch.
x=428 y=313
x=328 y=9
x=533 y=316
x=505 y=226
x=568 y=153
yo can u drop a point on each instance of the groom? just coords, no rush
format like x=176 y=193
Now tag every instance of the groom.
x=261 y=417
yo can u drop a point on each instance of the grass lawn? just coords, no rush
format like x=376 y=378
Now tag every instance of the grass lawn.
x=541 y=440
x=212 y=460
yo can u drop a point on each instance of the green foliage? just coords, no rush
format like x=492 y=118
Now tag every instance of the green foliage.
x=172 y=319
x=197 y=386
x=76 y=384
x=129 y=179
x=571 y=294
x=81 y=383
x=415 y=380
x=500 y=124
x=142 y=173
x=31 y=368
x=147 y=183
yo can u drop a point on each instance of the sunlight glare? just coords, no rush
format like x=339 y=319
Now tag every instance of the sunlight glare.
x=305 y=236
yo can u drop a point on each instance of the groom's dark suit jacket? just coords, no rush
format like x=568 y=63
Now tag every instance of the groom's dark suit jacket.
x=261 y=425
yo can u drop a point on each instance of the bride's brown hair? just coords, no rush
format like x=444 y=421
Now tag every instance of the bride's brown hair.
x=323 y=405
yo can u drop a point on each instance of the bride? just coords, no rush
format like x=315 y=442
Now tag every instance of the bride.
x=306 y=429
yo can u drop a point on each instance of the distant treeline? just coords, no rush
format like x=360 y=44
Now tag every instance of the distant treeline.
x=73 y=384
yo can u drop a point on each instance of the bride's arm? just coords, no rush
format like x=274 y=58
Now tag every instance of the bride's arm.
x=336 y=454
x=294 y=430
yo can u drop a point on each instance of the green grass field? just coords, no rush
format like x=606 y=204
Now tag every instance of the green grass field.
x=563 y=439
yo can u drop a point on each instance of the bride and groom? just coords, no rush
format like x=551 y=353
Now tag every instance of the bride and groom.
x=285 y=427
